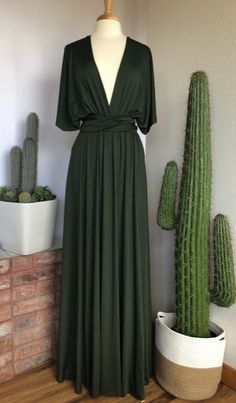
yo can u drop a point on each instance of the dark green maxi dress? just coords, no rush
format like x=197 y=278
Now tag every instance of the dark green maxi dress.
x=105 y=322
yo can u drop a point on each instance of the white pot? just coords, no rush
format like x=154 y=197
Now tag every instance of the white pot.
x=187 y=367
x=27 y=228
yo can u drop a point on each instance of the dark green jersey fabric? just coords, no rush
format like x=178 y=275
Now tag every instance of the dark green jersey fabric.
x=104 y=332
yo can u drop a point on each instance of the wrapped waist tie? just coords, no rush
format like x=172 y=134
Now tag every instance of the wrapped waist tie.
x=95 y=122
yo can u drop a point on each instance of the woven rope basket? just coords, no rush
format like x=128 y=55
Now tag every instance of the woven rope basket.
x=187 y=367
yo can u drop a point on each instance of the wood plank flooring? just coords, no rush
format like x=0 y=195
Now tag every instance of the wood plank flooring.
x=39 y=385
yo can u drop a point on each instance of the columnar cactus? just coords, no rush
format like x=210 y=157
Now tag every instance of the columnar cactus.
x=224 y=291
x=32 y=125
x=16 y=160
x=24 y=169
x=29 y=165
x=192 y=222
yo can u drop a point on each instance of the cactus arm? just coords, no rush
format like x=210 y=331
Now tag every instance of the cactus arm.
x=15 y=160
x=166 y=208
x=224 y=288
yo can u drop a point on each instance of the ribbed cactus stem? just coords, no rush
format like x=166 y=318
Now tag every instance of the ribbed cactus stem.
x=193 y=218
x=32 y=125
x=15 y=160
x=224 y=290
x=29 y=165
x=166 y=209
x=32 y=131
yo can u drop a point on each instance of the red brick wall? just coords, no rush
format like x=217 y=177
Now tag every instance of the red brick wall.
x=29 y=302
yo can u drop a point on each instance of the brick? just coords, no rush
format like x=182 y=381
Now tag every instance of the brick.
x=46 y=287
x=33 y=348
x=21 y=263
x=33 y=304
x=5 y=281
x=6 y=373
x=24 y=322
x=45 y=258
x=4 y=266
x=5 y=296
x=5 y=328
x=32 y=362
x=5 y=312
x=5 y=343
x=33 y=333
x=24 y=291
x=27 y=276
x=5 y=359
x=46 y=315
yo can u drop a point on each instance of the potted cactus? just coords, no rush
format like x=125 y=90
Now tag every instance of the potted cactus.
x=27 y=210
x=189 y=347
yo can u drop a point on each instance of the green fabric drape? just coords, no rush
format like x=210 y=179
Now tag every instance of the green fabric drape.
x=104 y=334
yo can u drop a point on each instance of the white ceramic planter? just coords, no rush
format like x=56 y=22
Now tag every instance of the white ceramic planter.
x=27 y=228
x=187 y=367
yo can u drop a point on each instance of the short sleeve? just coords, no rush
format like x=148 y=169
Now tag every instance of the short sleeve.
x=63 y=117
x=149 y=115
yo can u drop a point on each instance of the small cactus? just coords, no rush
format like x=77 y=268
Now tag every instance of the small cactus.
x=3 y=190
x=24 y=169
x=41 y=193
x=10 y=196
x=24 y=197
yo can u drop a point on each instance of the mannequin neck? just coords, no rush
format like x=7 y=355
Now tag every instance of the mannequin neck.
x=108 y=28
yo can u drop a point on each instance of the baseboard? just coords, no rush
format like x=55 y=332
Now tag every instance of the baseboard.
x=229 y=376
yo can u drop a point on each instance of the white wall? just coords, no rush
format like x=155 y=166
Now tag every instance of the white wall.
x=185 y=36
x=33 y=35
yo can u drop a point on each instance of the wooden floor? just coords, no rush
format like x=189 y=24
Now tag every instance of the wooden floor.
x=40 y=385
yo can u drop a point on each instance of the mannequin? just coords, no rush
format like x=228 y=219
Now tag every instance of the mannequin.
x=108 y=45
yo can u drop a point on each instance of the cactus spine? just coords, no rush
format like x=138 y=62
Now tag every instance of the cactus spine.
x=15 y=160
x=192 y=245
x=224 y=290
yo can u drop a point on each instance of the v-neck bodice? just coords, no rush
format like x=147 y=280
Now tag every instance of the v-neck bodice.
x=118 y=71
x=82 y=91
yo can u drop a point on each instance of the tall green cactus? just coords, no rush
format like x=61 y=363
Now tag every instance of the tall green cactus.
x=193 y=218
x=192 y=222
x=16 y=160
x=32 y=125
x=29 y=165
